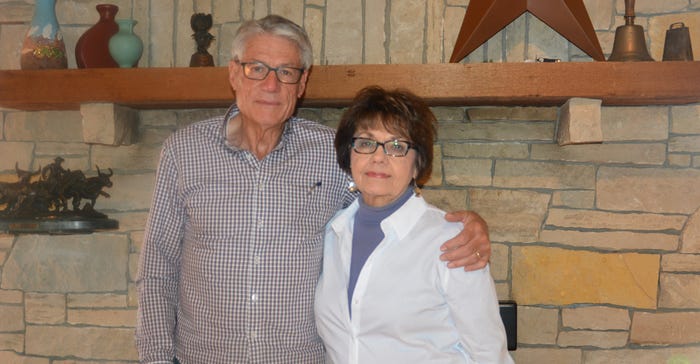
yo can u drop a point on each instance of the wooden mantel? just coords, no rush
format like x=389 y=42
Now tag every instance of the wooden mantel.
x=541 y=84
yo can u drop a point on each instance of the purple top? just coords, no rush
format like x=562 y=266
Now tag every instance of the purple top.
x=367 y=234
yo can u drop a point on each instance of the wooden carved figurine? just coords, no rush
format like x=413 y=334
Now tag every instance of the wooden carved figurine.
x=201 y=23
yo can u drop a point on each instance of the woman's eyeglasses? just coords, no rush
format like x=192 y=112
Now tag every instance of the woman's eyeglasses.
x=394 y=148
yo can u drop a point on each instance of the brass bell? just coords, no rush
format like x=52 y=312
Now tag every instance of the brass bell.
x=629 y=42
x=677 y=46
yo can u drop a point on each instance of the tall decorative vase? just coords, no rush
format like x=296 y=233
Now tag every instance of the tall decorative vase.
x=125 y=46
x=43 y=44
x=92 y=49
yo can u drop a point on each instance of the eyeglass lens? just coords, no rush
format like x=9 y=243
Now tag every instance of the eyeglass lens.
x=394 y=148
x=259 y=71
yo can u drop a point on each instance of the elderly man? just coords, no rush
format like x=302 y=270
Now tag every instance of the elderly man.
x=233 y=244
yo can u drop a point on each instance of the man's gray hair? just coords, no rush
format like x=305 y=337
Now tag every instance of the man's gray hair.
x=274 y=25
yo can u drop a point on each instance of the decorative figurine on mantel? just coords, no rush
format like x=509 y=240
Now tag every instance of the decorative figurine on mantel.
x=42 y=205
x=201 y=23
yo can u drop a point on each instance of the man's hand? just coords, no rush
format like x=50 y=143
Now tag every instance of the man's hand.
x=470 y=249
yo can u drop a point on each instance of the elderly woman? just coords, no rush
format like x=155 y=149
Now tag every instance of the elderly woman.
x=383 y=296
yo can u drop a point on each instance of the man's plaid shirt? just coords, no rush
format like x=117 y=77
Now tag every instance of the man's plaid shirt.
x=233 y=247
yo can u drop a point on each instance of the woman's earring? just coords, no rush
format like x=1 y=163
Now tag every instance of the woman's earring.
x=416 y=189
x=352 y=187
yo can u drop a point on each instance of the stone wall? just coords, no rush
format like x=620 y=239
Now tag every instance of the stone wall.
x=599 y=244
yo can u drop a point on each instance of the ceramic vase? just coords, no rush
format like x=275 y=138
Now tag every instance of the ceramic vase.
x=43 y=45
x=92 y=49
x=125 y=46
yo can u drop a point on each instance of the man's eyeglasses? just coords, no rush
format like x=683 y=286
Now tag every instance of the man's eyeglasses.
x=394 y=148
x=259 y=71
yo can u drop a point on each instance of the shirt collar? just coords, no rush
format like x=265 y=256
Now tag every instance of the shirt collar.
x=395 y=224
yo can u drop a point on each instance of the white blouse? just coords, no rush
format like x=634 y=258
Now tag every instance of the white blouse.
x=407 y=307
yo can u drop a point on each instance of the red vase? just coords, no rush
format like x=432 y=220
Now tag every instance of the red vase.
x=92 y=49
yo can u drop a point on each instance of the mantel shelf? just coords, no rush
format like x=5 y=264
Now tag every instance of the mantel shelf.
x=509 y=84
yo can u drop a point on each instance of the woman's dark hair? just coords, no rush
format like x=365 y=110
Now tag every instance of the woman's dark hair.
x=399 y=112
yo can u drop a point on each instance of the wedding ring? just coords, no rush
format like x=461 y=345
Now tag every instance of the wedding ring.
x=478 y=255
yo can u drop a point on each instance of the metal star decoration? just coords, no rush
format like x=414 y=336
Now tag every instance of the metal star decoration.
x=484 y=18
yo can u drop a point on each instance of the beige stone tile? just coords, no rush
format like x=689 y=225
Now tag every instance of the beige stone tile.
x=343 y=32
x=513 y=216
x=684 y=144
x=13 y=342
x=690 y=238
x=527 y=355
x=434 y=32
x=611 y=240
x=65 y=126
x=375 y=42
x=102 y=317
x=648 y=189
x=599 y=339
x=448 y=200
x=9 y=357
x=313 y=24
x=642 y=355
x=537 y=325
x=486 y=150
x=11 y=38
x=680 y=291
x=407 y=23
x=643 y=153
x=160 y=40
x=526 y=174
x=684 y=119
x=592 y=219
x=680 y=160
x=596 y=318
x=467 y=172
x=97 y=263
x=11 y=318
x=42 y=308
x=634 y=123
x=81 y=342
x=128 y=194
x=665 y=328
x=500 y=262
x=544 y=275
x=680 y=263
x=126 y=159
x=224 y=11
x=21 y=153
x=11 y=296
x=497 y=131
x=574 y=199
x=517 y=113
x=96 y=300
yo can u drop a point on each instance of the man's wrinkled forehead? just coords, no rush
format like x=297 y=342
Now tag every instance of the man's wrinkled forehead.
x=251 y=49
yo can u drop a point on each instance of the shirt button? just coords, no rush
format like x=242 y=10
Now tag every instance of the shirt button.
x=254 y=297
x=256 y=259
x=260 y=224
x=261 y=186
x=253 y=334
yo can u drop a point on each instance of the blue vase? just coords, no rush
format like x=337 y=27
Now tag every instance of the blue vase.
x=125 y=46
x=43 y=45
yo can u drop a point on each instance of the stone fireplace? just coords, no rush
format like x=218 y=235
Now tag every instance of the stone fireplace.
x=599 y=244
